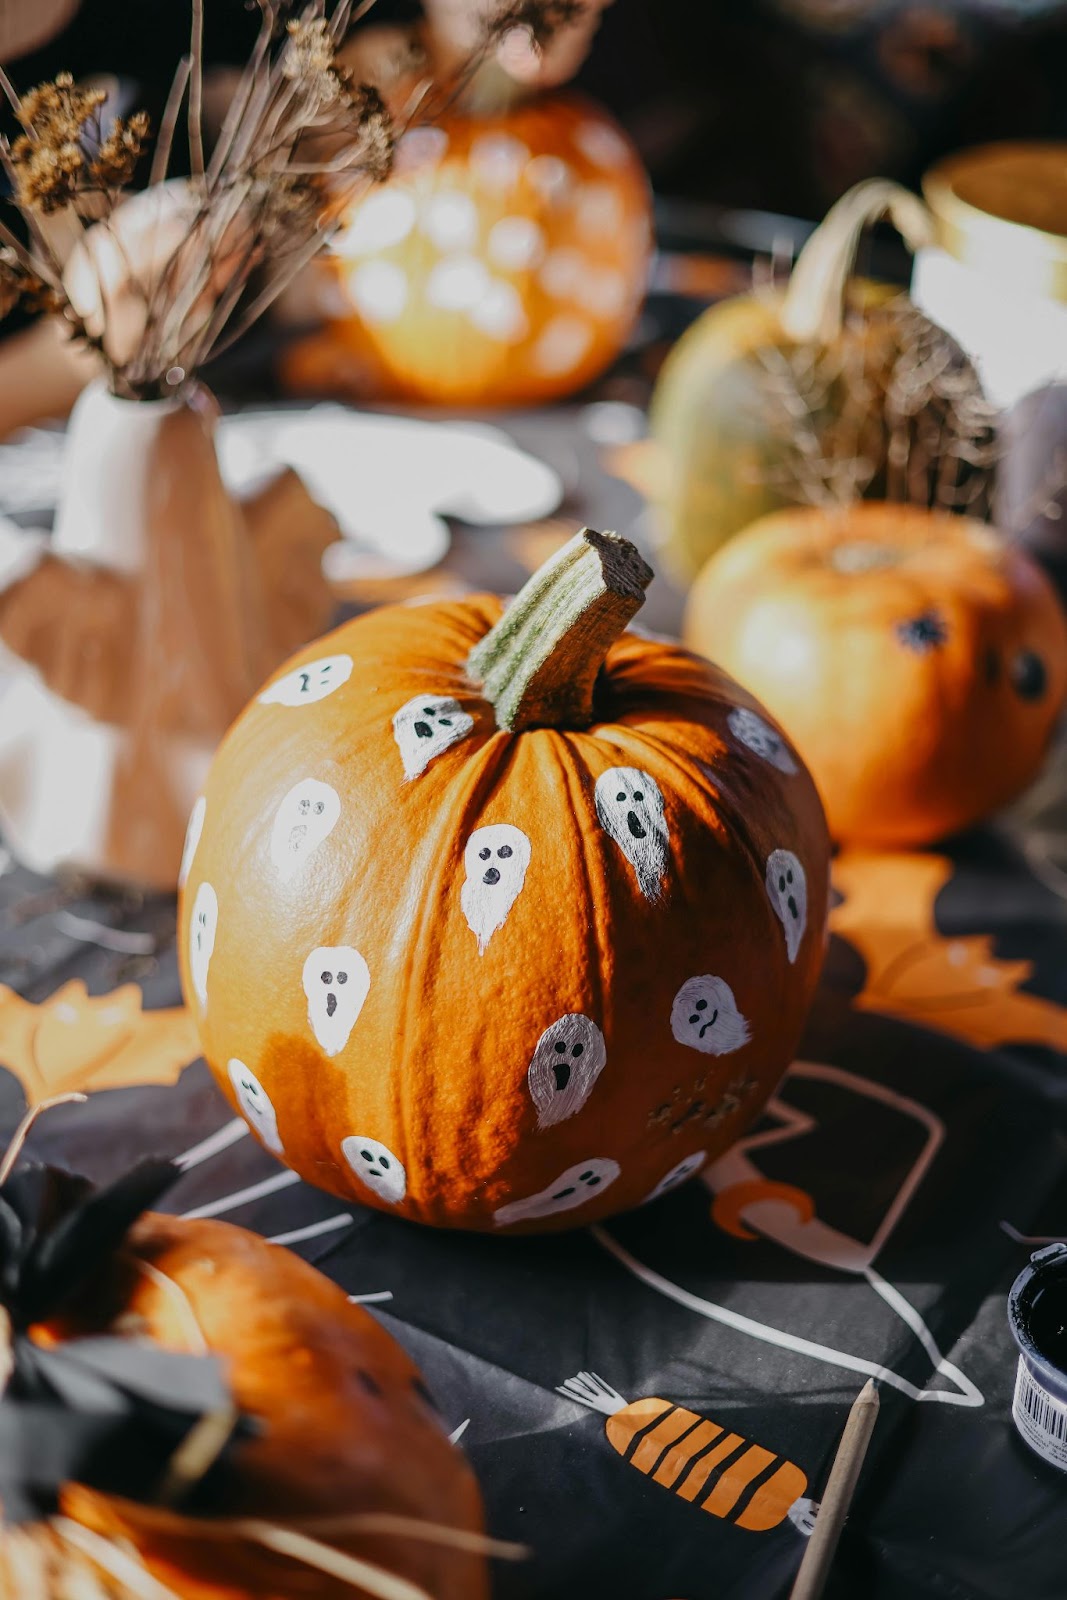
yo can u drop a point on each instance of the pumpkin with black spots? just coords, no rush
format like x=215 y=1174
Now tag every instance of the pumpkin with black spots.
x=503 y=263
x=504 y=918
x=917 y=660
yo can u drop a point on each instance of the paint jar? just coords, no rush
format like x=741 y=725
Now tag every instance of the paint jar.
x=995 y=277
x=1037 y=1316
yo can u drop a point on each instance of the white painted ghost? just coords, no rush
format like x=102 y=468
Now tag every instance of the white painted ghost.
x=678 y=1175
x=759 y=737
x=192 y=840
x=375 y=1165
x=705 y=1016
x=255 y=1102
x=426 y=726
x=336 y=982
x=630 y=808
x=203 y=926
x=311 y=682
x=495 y=861
x=572 y=1188
x=788 y=891
x=567 y=1060
x=305 y=818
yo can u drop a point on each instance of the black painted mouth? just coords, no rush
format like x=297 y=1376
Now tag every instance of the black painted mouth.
x=423 y=730
x=331 y=1004
x=793 y=912
x=492 y=876
x=709 y=1022
x=562 y=1070
x=634 y=825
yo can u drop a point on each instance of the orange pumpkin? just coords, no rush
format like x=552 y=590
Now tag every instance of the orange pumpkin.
x=503 y=263
x=345 y=1426
x=917 y=660
x=504 y=919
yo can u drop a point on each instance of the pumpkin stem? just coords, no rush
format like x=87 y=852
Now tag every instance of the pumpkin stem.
x=538 y=666
x=814 y=306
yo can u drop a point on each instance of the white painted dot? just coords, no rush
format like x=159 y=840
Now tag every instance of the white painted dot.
x=516 y=243
x=384 y=219
x=562 y=274
x=601 y=144
x=379 y=290
x=599 y=209
x=498 y=159
x=450 y=220
x=603 y=292
x=562 y=344
x=549 y=177
x=420 y=147
x=457 y=283
x=499 y=312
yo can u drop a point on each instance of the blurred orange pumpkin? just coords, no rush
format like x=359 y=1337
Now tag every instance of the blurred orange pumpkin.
x=917 y=661
x=503 y=263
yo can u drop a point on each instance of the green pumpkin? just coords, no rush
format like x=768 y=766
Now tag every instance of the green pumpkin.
x=802 y=395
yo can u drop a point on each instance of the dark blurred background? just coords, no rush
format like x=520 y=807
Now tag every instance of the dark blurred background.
x=772 y=104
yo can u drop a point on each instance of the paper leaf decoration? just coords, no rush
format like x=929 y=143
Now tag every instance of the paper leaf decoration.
x=951 y=985
x=78 y=1041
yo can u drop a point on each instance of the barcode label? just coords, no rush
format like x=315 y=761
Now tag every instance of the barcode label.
x=1040 y=1419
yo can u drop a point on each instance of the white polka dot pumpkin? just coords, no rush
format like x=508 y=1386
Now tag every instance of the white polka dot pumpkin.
x=504 y=262
x=504 y=919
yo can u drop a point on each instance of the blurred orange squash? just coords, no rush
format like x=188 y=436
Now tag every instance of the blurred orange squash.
x=917 y=661
x=503 y=263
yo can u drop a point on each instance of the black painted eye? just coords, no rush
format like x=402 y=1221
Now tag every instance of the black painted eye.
x=789 y=876
x=342 y=977
x=578 y=1050
x=694 y=1018
x=586 y=1176
x=367 y=1157
x=483 y=855
x=620 y=798
x=702 y=1005
x=446 y=722
x=928 y=631
x=638 y=796
x=327 y=977
x=369 y=1383
x=383 y=1162
x=505 y=851
x=781 y=884
x=427 y=711
x=560 y=1046
x=320 y=808
x=1029 y=675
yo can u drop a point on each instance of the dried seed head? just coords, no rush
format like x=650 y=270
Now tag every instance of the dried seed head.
x=375 y=141
x=117 y=158
x=58 y=110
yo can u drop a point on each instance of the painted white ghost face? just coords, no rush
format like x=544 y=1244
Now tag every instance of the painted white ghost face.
x=307 y=815
x=336 y=982
x=304 y=685
x=495 y=861
x=202 y=929
x=788 y=891
x=426 y=726
x=572 y=1188
x=567 y=1060
x=677 y=1175
x=192 y=839
x=630 y=808
x=705 y=1016
x=375 y=1165
x=255 y=1102
x=758 y=736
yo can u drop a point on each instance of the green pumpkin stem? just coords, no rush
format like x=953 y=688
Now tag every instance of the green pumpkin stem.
x=814 y=308
x=538 y=666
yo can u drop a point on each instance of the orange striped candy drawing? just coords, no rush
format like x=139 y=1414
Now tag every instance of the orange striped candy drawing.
x=698 y=1459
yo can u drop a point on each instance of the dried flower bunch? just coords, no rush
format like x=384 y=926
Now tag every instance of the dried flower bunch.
x=894 y=408
x=299 y=142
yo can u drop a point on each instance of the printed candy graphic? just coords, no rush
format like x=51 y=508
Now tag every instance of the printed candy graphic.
x=950 y=985
x=698 y=1460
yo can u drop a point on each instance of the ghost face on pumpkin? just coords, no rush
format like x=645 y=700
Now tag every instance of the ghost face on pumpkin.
x=705 y=1016
x=336 y=983
x=759 y=737
x=305 y=685
x=788 y=891
x=203 y=925
x=256 y=1105
x=495 y=862
x=567 y=1060
x=306 y=817
x=571 y=1189
x=375 y=1165
x=424 y=727
x=679 y=1174
x=630 y=808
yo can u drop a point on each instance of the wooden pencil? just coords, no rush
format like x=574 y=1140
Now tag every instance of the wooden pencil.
x=840 y=1487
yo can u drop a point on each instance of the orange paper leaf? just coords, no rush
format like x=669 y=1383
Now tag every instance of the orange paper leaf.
x=78 y=1041
x=955 y=985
